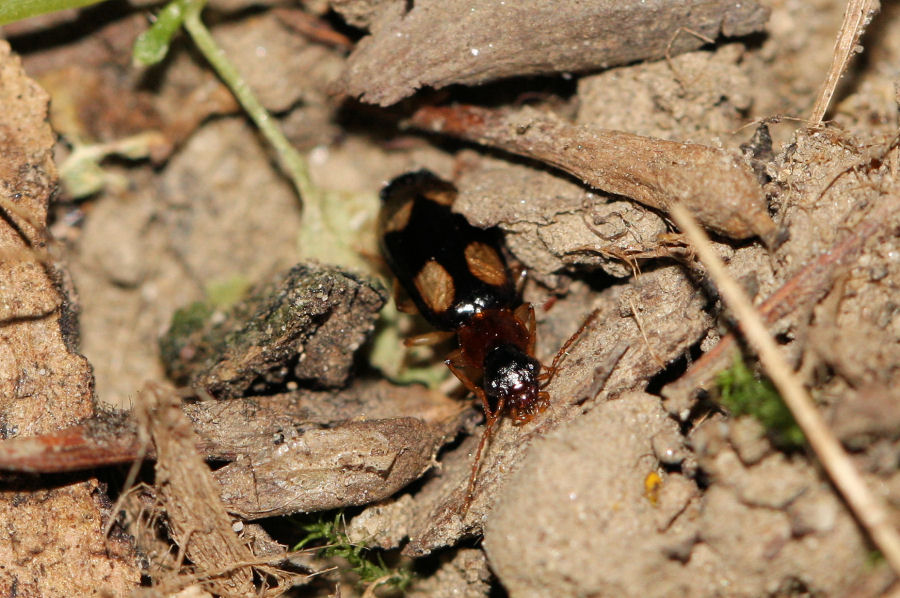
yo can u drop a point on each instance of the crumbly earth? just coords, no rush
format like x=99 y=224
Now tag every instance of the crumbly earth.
x=628 y=485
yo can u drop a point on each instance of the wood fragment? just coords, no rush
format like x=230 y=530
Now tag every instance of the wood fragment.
x=355 y=463
x=870 y=510
x=309 y=319
x=302 y=451
x=95 y=443
x=442 y=42
x=719 y=190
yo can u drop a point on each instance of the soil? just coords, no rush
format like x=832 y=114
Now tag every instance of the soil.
x=635 y=481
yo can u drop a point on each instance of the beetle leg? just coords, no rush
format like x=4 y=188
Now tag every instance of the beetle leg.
x=429 y=338
x=492 y=418
x=525 y=314
x=454 y=362
x=551 y=371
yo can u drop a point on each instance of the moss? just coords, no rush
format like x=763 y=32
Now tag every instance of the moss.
x=742 y=392
x=224 y=294
x=187 y=323
x=364 y=562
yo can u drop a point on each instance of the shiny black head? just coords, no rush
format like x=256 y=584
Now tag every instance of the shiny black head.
x=510 y=378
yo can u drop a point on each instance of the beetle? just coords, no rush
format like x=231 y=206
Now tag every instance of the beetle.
x=456 y=275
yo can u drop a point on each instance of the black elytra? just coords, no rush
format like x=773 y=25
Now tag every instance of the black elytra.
x=416 y=227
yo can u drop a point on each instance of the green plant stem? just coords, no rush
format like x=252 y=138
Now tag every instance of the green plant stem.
x=289 y=158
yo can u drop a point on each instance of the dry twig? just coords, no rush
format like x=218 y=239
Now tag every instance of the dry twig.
x=870 y=511
x=803 y=290
x=856 y=17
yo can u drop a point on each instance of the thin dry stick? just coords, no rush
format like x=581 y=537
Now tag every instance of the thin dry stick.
x=370 y=589
x=640 y=325
x=856 y=17
x=870 y=511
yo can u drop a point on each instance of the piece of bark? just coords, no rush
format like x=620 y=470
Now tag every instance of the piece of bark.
x=550 y=222
x=440 y=42
x=228 y=429
x=302 y=451
x=310 y=320
x=354 y=463
x=244 y=427
x=44 y=386
x=721 y=192
x=312 y=452
x=105 y=439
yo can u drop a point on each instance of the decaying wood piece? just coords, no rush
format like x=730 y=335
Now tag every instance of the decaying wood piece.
x=439 y=42
x=250 y=426
x=355 y=463
x=311 y=319
x=53 y=538
x=550 y=221
x=311 y=452
x=99 y=441
x=721 y=192
x=300 y=451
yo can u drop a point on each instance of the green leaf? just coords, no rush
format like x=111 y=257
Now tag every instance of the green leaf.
x=152 y=45
x=16 y=10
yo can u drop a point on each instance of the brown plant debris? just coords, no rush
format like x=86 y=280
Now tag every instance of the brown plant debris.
x=551 y=222
x=439 y=42
x=306 y=323
x=311 y=451
x=293 y=452
x=721 y=192
x=104 y=439
x=195 y=516
x=354 y=463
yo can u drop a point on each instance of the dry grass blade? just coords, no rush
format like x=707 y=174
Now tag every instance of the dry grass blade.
x=856 y=17
x=870 y=511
